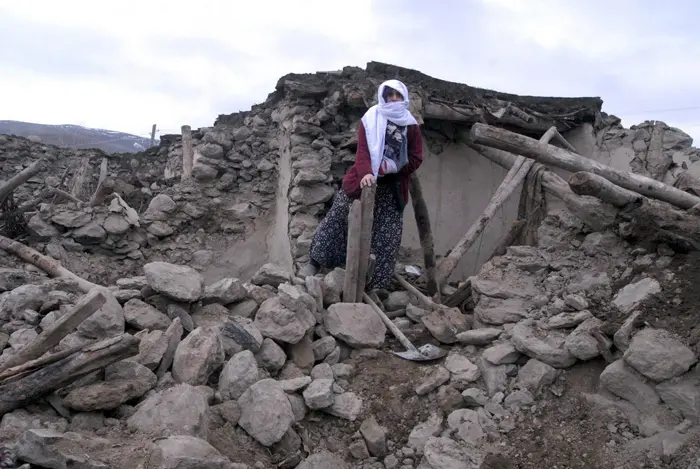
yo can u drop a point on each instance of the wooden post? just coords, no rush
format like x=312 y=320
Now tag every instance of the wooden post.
x=573 y=162
x=80 y=176
x=365 y=248
x=187 y=153
x=153 y=136
x=352 y=253
x=52 y=335
x=425 y=234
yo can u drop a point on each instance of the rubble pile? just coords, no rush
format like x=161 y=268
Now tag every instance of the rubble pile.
x=268 y=356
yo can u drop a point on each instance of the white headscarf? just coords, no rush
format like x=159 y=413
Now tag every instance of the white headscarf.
x=376 y=117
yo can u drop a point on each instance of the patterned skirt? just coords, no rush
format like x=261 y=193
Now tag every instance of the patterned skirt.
x=329 y=244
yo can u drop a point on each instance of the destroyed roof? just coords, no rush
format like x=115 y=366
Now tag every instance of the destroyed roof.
x=437 y=99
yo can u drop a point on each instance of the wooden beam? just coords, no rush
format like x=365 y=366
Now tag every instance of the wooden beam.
x=365 y=248
x=585 y=183
x=187 y=153
x=352 y=252
x=53 y=334
x=425 y=234
x=48 y=265
x=56 y=375
x=548 y=154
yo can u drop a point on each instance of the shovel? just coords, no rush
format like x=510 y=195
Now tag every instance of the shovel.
x=426 y=352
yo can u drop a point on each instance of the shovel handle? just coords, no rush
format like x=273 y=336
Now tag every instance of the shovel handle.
x=427 y=302
x=392 y=327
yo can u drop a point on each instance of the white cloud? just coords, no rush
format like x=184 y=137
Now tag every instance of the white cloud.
x=125 y=65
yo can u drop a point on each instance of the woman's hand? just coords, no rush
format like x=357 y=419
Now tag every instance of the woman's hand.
x=368 y=180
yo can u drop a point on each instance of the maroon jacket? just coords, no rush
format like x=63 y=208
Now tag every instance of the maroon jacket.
x=363 y=164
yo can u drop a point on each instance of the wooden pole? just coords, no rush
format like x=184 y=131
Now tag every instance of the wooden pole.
x=425 y=233
x=20 y=178
x=573 y=162
x=365 y=248
x=352 y=253
x=516 y=174
x=18 y=393
x=153 y=136
x=52 y=335
x=187 y=153
x=48 y=265
x=584 y=183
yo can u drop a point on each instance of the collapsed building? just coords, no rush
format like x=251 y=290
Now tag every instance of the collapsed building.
x=206 y=350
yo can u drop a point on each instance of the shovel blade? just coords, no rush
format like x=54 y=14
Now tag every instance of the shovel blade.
x=423 y=353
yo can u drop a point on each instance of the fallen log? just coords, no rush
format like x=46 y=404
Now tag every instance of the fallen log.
x=644 y=219
x=48 y=265
x=425 y=233
x=16 y=372
x=549 y=154
x=19 y=393
x=592 y=211
x=20 y=178
x=365 y=247
x=585 y=183
x=53 y=334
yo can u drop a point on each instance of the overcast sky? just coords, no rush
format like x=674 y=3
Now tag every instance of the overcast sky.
x=129 y=64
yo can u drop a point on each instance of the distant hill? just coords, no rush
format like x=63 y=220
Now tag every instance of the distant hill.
x=75 y=136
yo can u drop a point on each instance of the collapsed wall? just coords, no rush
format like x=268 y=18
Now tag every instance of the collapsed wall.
x=263 y=178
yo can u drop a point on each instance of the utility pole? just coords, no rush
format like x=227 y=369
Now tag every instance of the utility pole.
x=153 y=135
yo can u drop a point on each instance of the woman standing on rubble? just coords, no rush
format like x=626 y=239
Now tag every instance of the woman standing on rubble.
x=389 y=150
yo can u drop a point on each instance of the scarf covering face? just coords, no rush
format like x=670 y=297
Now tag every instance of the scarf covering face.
x=376 y=118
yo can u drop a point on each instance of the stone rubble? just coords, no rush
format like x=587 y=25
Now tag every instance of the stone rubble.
x=261 y=358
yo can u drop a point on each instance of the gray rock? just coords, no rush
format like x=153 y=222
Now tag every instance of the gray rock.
x=141 y=315
x=581 y=343
x=266 y=412
x=659 y=355
x=124 y=381
x=495 y=376
x=180 y=410
x=12 y=278
x=71 y=219
x=238 y=375
x=271 y=356
x=225 y=291
x=462 y=370
x=422 y=432
x=23 y=297
x=549 y=349
x=108 y=321
x=243 y=332
x=501 y=354
x=568 y=320
x=199 y=355
x=270 y=274
x=152 y=347
x=436 y=377
x=535 y=376
x=179 y=282
x=465 y=424
x=375 y=437
x=279 y=323
x=245 y=308
x=159 y=208
x=323 y=460
x=630 y=296
x=445 y=453
x=323 y=346
x=683 y=394
x=356 y=324
x=185 y=452
x=625 y=382
x=474 y=397
x=319 y=394
x=51 y=449
x=345 y=406
x=482 y=336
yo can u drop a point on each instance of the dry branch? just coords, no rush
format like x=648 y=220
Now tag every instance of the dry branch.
x=51 y=336
x=20 y=178
x=48 y=265
x=548 y=154
x=425 y=233
x=20 y=392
